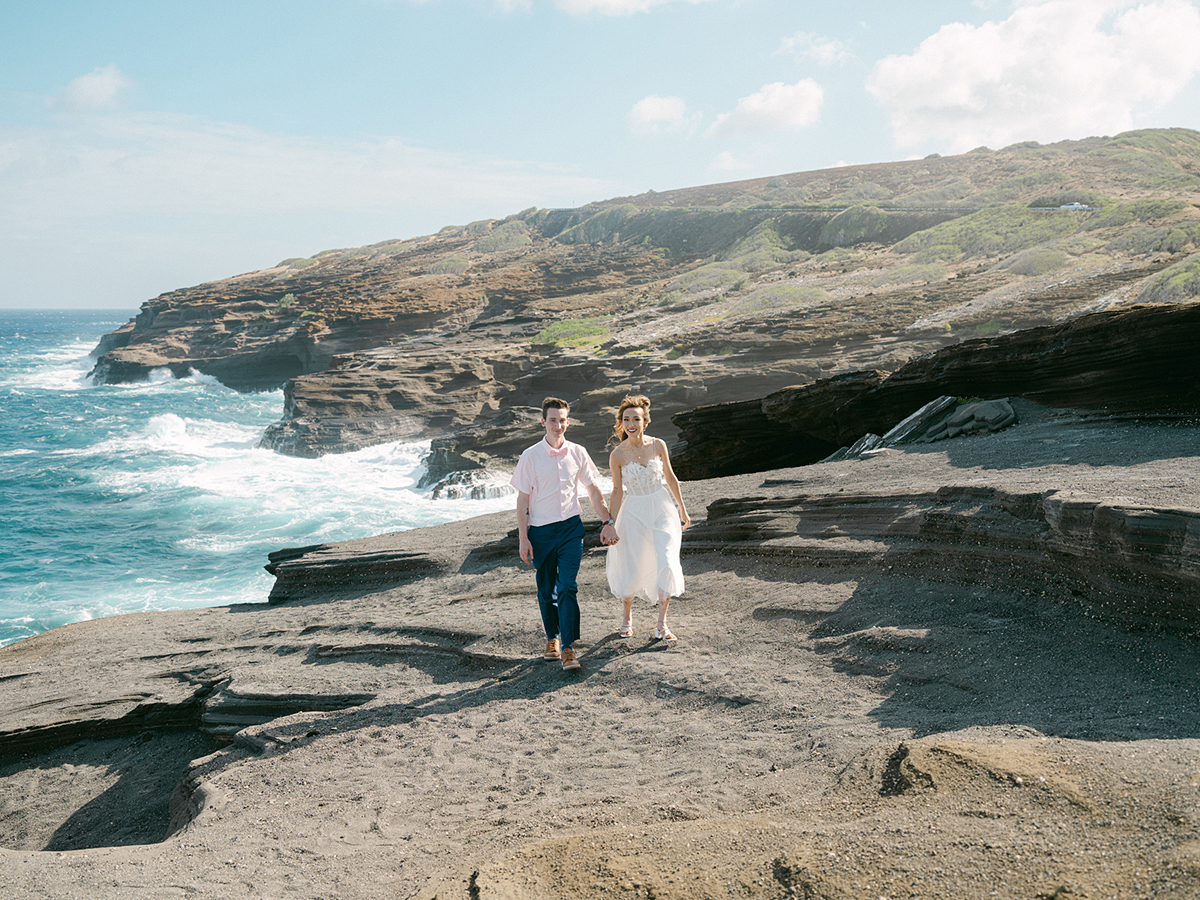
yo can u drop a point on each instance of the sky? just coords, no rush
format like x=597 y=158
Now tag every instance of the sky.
x=149 y=145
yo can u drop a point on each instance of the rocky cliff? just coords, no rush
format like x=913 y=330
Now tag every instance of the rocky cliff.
x=1138 y=359
x=697 y=296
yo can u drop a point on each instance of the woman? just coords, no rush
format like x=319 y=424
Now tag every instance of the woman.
x=650 y=517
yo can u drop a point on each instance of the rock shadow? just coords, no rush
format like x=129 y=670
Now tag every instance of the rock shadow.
x=118 y=791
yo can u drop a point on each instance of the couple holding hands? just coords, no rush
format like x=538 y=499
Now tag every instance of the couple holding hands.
x=642 y=524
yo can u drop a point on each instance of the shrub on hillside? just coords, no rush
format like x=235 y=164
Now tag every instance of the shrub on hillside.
x=1123 y=214
x=938 y=253
x=1178 y=283
x=1036 y=262
x=862 y=193
x=777 y=296
x=993 y=232
x=853 y=226
x=604 y=225
x=508 y=236
x=1167 y=239
x=713 y=276
x=575 y=332
x=952 y=194
x=912 y=274
x=1016 y=188
x=761 y=250
x=451 y=265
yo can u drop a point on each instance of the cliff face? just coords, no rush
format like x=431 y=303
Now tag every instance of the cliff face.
x=722 y=293
x=1140 y=359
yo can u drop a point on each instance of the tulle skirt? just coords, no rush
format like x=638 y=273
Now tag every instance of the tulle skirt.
x=645 y=561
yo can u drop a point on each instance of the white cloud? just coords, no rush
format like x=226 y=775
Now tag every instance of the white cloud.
x=1054 y=69
x=655 y=113
x=822 y=50
x=95 y=203
x=776 y=107
x=100 y=89
x=727 y=162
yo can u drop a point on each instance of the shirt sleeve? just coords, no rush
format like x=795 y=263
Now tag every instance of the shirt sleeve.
x=588 y=473
x=522 y=476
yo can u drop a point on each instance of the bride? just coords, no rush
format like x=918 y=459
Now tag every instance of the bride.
x=649 y=518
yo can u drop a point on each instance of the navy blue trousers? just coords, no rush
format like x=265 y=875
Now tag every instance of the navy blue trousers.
x=557 y=553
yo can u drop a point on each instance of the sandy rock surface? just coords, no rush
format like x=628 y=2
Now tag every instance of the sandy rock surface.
x=829 y=725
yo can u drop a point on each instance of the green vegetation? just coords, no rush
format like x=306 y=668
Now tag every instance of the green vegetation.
x=297 y=262
x=1123 y=214
x=760 y=250
x=481 y=226
x=863 y=193
x=508 y=236
x=951 y=194
x=1065 y=198
x=1148 y=157
x=912 y=274
x=993 y=232
x=777 y=296
x=451 y=265
x=1180 y=282
x=712 y=276
x=579 y=333
x=938 y=253
x=285 y=301
x=989 y=327
x=1014 y=189
x=853 y=226
x=1167 y=239
x=1037 y=261
x=602 y=226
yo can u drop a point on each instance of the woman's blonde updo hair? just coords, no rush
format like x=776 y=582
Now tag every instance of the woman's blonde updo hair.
x=631 y=400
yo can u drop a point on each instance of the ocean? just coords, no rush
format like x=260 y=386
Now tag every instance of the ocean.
x=154 y=496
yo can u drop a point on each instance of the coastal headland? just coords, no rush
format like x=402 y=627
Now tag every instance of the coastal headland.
x=966 y=668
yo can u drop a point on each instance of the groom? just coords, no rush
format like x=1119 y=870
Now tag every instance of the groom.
x=550 y=526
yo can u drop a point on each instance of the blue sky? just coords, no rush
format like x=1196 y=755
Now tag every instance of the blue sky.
x=146 y=146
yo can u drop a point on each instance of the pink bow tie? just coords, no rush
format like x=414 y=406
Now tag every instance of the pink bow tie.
x=561 y=451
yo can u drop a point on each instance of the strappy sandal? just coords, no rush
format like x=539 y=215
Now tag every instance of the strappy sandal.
x=664 y=634
x=626 y=630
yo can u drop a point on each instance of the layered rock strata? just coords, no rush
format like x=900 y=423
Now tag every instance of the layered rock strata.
x=1132 y=360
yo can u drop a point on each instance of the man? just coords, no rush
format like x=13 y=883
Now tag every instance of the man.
x=550 y=526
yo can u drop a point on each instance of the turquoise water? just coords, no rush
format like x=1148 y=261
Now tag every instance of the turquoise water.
x=126 y=498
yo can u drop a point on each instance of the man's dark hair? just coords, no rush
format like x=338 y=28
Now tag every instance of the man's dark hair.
x=554 y=403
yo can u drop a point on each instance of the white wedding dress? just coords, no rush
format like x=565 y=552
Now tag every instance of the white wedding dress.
x=645 y=560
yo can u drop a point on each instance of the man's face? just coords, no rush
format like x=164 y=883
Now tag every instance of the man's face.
x=555 y=422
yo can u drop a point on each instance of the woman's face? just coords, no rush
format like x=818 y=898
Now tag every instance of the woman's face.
x=633 y=420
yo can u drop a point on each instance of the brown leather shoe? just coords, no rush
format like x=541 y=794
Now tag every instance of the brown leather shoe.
x=569 y=660
x=551 y=650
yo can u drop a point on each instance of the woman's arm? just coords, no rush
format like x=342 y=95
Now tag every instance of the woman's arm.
x=614 y=499
x=660 y=447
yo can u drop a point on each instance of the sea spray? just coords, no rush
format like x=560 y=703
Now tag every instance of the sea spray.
x=155 y=495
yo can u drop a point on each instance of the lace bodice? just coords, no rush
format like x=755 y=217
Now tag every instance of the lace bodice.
x=639 y=479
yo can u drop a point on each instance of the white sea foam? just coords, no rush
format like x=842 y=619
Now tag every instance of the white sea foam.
x=159 y=497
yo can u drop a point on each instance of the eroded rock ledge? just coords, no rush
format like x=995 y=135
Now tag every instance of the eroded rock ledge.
x=1141 y=359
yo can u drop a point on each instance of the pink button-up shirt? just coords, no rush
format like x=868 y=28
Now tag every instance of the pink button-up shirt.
x=551 y=478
